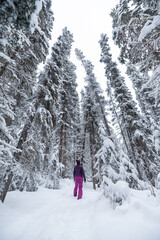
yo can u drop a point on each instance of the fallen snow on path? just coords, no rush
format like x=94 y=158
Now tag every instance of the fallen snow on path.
x=57 y=215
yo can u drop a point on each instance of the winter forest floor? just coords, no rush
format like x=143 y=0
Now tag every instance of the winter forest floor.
x=57 y=215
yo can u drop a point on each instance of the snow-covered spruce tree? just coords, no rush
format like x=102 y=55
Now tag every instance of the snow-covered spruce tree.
x=90 y=140
x=71 y=126
x=41 y=147
x=38 y=36
x=114 y=170
x=83 y=121
x=136 y=31
x=68 y=105
x=44 y=156
x=93 y=107
x=38 y=152
x=137 y=136
x=20 y=44
x=99 y=142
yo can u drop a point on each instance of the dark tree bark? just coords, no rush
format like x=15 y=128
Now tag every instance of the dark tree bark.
x=92 y=155
x=7 y=184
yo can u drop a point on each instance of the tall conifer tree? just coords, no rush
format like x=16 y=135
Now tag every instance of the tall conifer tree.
x=104 y=151
x=24 y=44
x=137 y=136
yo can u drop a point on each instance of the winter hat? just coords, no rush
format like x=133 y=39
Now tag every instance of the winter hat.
x=78 y=162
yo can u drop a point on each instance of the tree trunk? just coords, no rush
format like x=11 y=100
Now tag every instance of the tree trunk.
x=61 y=144
x=7 y=184
x=92 y=155
x=64 y=152
x=61 y=140
x=83 y=144
x=74 y=153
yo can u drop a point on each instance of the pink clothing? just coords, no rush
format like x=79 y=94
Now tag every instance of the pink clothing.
x=78 y=187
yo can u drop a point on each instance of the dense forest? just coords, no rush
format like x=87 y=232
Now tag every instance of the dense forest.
x=45 y=126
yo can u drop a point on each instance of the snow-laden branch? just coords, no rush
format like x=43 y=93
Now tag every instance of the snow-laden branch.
x=149 y=27
x=10 y=146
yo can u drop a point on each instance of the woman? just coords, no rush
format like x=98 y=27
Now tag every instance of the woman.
x=78 y=175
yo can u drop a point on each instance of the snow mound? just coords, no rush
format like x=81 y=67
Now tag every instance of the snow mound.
x=116 y=192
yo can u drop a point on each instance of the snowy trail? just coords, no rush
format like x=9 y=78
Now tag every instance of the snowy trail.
x=57 y=215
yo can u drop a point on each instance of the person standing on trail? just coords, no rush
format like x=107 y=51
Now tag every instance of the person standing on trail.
x=78 y=175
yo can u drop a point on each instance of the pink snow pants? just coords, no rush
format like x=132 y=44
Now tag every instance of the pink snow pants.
x=78 y=186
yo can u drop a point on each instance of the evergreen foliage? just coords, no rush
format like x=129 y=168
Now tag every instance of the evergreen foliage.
x=136 y=27
x=67 y=103
x=104 y=155
x=136 y=134
x=25 y=31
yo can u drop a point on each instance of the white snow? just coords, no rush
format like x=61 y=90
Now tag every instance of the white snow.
x=34 y=16
x=118 y=192
x=148 y=27
x=57 y=215
x=4 y=42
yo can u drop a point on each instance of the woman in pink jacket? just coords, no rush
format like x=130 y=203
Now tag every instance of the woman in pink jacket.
x=78 y=175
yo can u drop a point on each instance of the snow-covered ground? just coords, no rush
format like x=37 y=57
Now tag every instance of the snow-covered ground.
x=57 y=215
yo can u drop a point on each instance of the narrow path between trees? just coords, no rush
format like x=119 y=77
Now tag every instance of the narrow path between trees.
x=57 y=215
